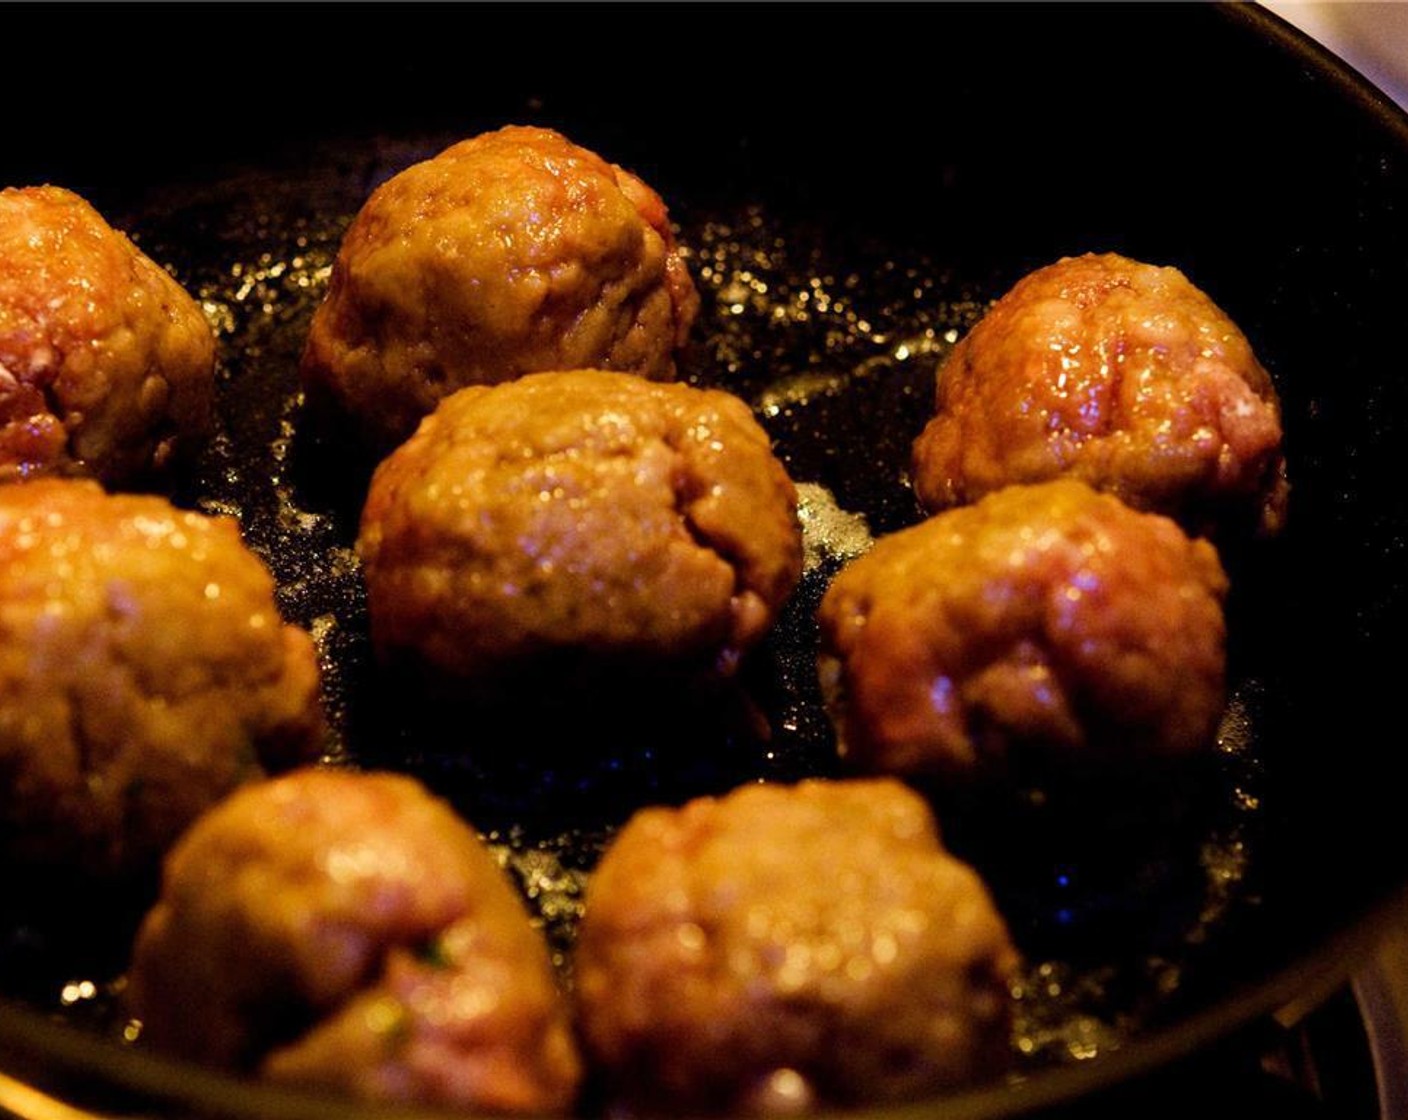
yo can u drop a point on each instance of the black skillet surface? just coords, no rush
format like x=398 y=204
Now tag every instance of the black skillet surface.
x=849 y=207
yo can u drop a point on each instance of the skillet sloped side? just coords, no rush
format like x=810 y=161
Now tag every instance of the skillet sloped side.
x=980 y=142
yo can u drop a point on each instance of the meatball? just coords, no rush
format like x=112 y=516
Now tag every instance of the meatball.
x=107 y=367
x=585 y=514
x=349 y=931
x=144 y=673
x=509 y=253
x=1044 y=622
x=790 y=946
x=1117 y=373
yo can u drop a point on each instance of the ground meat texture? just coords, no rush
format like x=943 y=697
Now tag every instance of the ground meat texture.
x=1121 y=374
x=106 y=365
x=144 y=673
x=1048 y=620
x=788 y=947
x=587 y=513
x=349 y=931
x=509 y=253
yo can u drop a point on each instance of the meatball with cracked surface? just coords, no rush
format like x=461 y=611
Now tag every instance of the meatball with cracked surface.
x=349 y=931
x=1118 y=373
x=509 y=253
x=144 y=673
x=1047 y=620
x=788 y=947
x=583 y=515
x=107 y=366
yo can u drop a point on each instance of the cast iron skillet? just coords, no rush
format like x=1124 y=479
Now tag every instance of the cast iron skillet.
x=910 y=167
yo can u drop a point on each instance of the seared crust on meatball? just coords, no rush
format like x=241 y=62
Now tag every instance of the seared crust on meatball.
x=512 y=252
x=1121 y=374
x=589 y=513
x=349 y=931
x=106 y=364
x=790 y=946
x=144 y=673
x=1048 y=619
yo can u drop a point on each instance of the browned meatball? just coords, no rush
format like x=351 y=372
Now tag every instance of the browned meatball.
x=1120 y=374
x=144 y=673
x=107 y=367
x=1043 y=618
x=349 y=931
x=509 y=253
x=787 y=947
x=588 y=513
